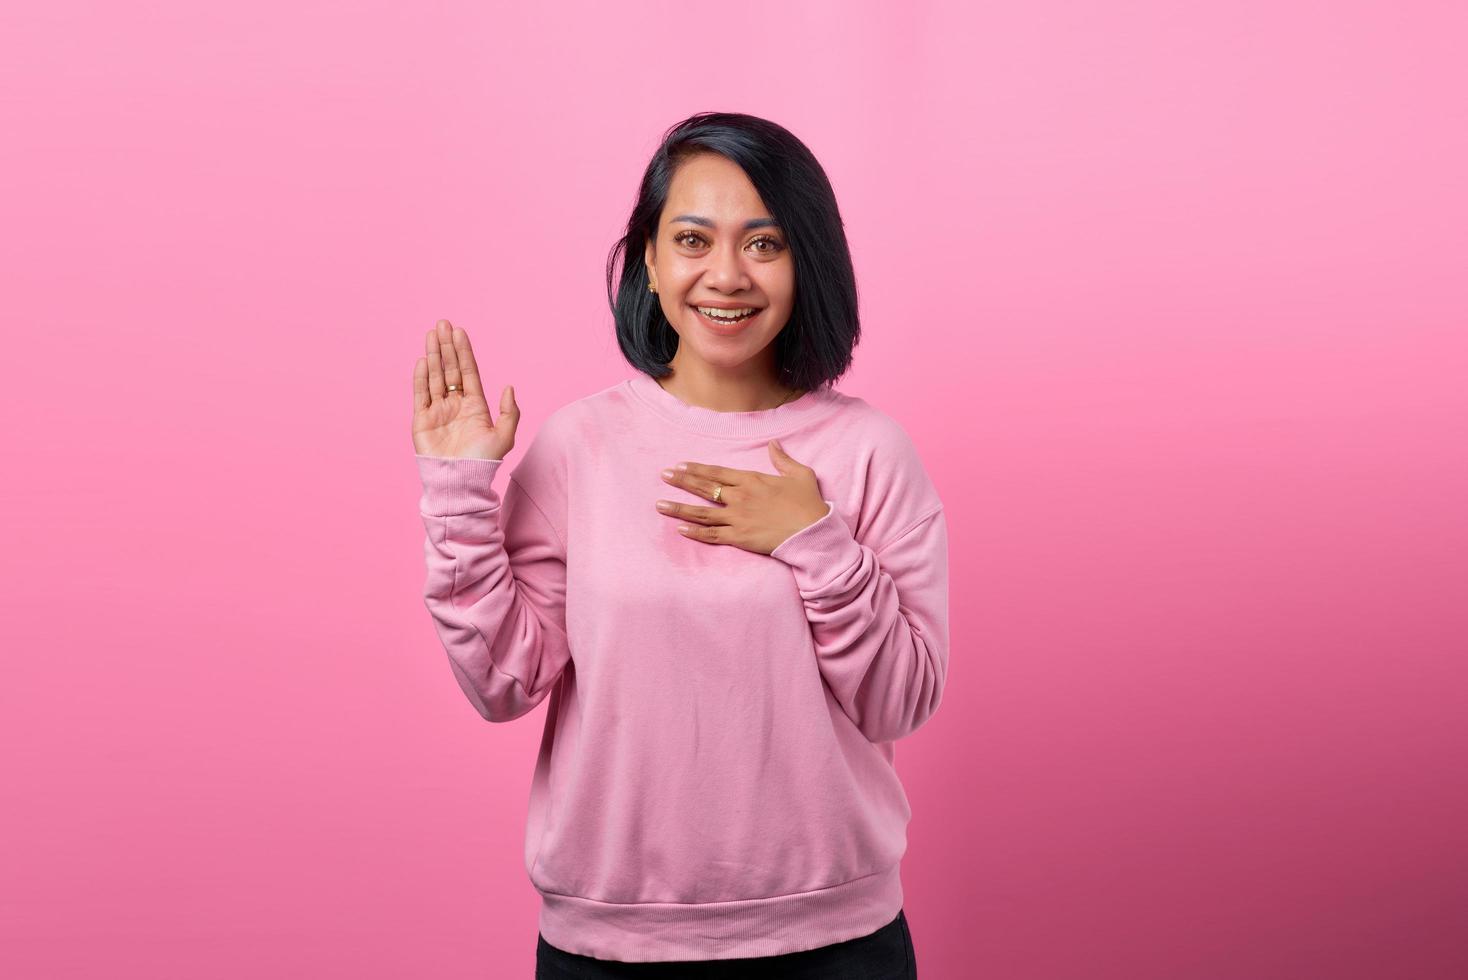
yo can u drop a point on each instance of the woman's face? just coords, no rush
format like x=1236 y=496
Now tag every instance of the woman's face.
x=716 y=245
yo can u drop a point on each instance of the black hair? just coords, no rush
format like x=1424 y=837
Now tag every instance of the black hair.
x=814 y=347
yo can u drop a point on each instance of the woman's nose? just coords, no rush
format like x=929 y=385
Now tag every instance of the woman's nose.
x=726 y=271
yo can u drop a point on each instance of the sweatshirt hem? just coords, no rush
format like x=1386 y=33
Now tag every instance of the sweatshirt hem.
x=665 y=931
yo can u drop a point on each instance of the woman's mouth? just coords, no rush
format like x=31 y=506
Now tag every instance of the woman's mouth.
x=727 y=324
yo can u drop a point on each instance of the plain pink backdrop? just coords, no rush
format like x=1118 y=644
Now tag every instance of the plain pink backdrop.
x=1171 y=297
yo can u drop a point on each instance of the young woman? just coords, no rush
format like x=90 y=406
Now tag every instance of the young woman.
x=730 y=579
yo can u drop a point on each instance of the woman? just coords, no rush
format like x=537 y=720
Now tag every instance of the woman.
x=730 y=579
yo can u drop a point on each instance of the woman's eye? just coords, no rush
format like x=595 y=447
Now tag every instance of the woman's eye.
x=691 y=238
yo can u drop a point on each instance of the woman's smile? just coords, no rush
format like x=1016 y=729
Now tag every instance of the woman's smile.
x=725 y=327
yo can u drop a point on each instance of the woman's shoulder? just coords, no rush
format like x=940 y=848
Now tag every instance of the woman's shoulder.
x=559 y=428
x=886 y=436
x=897 y=490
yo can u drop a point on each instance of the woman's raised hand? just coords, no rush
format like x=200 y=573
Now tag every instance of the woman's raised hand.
x=457 y=423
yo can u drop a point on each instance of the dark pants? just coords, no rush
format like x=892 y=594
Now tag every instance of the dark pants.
x=886 y=954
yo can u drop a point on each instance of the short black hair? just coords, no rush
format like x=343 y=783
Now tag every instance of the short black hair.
x=814 y=347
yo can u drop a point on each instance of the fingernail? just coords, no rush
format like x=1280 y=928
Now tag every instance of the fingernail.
x=682 y=466
x=663 y=505
x=668 y=474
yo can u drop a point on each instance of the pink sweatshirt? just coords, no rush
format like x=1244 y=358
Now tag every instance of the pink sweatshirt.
x=716 y=777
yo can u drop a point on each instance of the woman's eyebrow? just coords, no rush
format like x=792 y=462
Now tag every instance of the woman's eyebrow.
x=699 y=219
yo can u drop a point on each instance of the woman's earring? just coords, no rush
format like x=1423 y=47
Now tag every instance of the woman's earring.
x=653 y=287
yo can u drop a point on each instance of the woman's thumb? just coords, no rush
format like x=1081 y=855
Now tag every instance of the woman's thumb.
x=507 y=402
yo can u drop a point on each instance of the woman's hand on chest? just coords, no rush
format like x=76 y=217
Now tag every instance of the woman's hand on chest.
x=747 y=509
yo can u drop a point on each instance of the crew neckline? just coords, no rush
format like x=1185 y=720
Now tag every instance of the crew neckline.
x=762 y=422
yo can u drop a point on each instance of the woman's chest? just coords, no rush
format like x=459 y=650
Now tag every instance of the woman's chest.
x=629 y=568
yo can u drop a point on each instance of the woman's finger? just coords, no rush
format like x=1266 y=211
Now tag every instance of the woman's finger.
x=421 y=400
x=468 y=367
x=446 y=348
x=703 y=486
x=725 y=475
x=435 y=365
x=710 y=516
x=706 y=488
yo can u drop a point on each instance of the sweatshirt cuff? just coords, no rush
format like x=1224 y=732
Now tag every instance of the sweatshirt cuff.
x=820 y=550
x=457 y=485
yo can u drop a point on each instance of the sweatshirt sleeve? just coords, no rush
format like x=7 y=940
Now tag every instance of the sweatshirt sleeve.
x=879 y=618
x=496 y=584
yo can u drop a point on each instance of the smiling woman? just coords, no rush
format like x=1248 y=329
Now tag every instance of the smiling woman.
x=729 y=579
x=734 y=210
x=726 y=290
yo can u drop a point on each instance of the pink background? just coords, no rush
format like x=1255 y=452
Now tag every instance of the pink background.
x=1171 y=296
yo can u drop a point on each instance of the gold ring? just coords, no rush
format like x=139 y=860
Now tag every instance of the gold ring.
x=717 y=490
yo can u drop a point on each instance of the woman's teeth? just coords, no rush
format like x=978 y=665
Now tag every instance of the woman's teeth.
x=727 y=316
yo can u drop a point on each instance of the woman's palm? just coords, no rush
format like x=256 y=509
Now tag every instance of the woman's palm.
x=457 y=423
